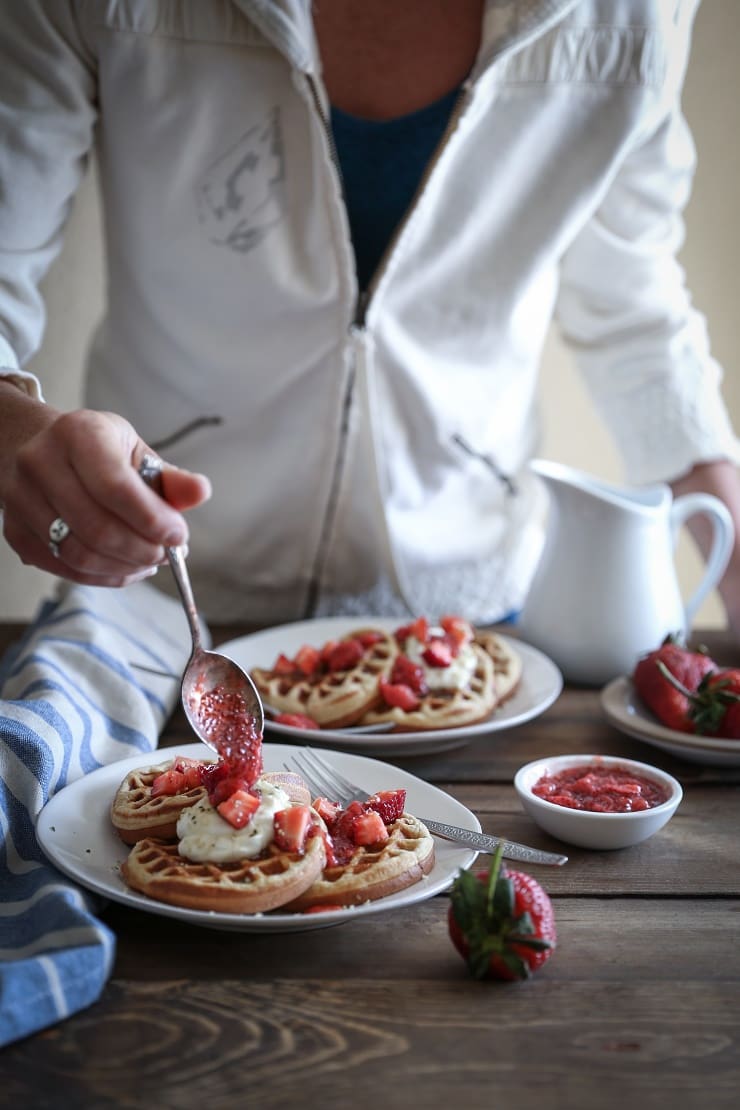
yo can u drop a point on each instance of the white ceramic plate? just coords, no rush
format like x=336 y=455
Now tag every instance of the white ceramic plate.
x=540 y=685
x=75 y=832
x=626 y=711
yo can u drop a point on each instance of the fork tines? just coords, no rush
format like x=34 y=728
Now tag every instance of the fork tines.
x=324 y=779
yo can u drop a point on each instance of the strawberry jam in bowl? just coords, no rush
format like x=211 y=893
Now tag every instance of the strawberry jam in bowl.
x=597 y=801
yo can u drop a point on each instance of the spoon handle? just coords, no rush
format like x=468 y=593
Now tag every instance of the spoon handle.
x=150 y=470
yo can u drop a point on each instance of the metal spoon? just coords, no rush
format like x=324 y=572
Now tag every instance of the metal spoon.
x=206 y=672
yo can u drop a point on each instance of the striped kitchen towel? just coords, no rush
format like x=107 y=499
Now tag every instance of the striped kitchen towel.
x=69 y=703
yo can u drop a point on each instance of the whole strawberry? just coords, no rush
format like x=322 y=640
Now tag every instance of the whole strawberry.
x=501 y=922
x=668 y=701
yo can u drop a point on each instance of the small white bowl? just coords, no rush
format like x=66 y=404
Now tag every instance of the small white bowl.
x=584 y=827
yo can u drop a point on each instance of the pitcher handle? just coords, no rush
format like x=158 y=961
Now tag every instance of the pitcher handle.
x=723 y=538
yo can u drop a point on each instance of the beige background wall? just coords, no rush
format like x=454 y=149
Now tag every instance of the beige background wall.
x=74 y=290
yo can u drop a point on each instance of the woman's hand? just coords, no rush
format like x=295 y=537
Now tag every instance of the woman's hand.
x=82 y=467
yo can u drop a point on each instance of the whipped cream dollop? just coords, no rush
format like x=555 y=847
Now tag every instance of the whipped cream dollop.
x=455 y=677
x=205 y=836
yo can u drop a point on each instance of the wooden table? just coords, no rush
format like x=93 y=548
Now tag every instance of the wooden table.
x=639 y=1005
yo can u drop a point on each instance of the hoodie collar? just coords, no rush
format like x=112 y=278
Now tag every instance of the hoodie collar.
x=507 y=24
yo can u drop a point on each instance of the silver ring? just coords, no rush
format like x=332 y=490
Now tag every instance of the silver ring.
x=58 y=531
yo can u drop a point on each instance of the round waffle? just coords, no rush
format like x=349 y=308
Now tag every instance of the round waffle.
x=446 y=708
x=374 y=870
x=155 y=868
x=136 y=814
x=334 y=699
x=507 y=663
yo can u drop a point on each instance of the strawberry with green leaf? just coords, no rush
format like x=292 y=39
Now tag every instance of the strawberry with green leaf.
x=713 y=708
x=653 y=676
x=501 y=922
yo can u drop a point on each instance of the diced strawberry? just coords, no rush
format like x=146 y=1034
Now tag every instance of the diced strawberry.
x=329 y=851
x=308 y=659
x=327 y=811
x=407 y=673
x=369 y=828
x=184 y=763
x=398 y=695
x=222 y=789
x=457 y=629
x=388 y=803
x=283 y=665
x=295 y=720
x=192 y=769
x=342 y=826
x=291 y=828
x=239 y=808
x=437 y=654
x=419 y=629
x=345 y=655
x=369 y=637
x=169 y=782
x=327 y=649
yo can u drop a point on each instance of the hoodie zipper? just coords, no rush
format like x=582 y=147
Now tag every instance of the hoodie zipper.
x=363 y=300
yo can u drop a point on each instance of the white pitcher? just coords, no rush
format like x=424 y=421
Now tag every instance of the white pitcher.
x=605 y=590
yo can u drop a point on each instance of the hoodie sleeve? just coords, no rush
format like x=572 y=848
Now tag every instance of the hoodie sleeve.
x=47 y=117
x=625 y=310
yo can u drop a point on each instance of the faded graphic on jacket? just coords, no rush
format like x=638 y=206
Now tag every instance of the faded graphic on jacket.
x=241 y=197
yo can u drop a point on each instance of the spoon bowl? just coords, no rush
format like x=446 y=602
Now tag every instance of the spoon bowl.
x=216 y=693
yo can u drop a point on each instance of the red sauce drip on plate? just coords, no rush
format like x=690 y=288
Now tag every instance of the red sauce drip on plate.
x=600 y=789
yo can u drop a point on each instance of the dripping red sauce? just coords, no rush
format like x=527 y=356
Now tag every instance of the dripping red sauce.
x=599 y=788
x=227 y=724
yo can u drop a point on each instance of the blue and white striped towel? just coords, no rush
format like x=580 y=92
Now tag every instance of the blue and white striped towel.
x=70 y=703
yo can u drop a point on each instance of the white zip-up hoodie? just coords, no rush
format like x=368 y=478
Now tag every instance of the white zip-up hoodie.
x=362 y=454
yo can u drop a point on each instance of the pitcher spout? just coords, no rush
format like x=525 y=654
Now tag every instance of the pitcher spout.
x=559 y=477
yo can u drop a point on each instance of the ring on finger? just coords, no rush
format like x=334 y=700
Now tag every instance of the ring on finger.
x=58 y=531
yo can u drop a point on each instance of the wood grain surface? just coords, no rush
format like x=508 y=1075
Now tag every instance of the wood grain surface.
x=640 y=1001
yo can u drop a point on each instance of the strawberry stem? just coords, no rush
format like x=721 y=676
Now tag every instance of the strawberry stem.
x=493 y=874
x=672 y=678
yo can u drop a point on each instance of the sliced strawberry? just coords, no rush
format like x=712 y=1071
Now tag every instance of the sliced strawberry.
x=398 y=695
x=388 y=803
x=308 y=659
x=283 y=665
x=328 y=907
x=295 y=720
x=291 y=828
x=239 y=808
x=437 y=653
x=369 y=828
x=407 y=673
x=345 y=655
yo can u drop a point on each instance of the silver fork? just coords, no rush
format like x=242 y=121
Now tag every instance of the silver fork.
x=323 y=779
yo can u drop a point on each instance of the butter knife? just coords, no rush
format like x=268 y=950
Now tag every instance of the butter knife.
x=484 y=843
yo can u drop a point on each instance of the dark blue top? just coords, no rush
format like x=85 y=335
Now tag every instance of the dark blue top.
x=382 y=163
